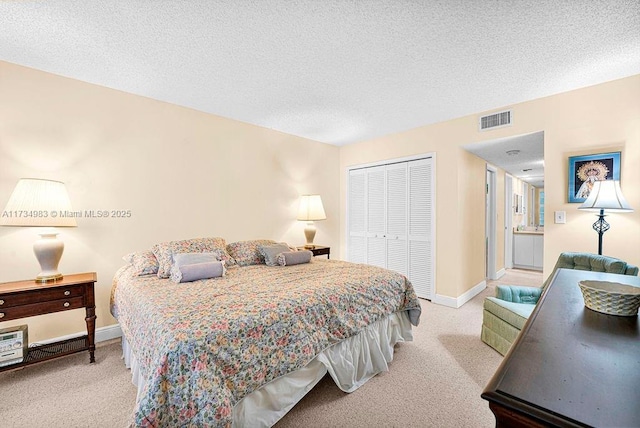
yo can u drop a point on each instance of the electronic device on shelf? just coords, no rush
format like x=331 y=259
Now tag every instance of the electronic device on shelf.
x=13 y=345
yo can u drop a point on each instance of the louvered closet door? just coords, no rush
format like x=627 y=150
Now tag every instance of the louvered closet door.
x=421 y=228
x=390 y=210
x=396 y=218
x=357 y=245
x=376 y=242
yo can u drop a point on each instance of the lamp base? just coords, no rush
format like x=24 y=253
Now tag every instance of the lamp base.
x=49 y=278
x=600 y=226
x=48 y=250
x=309 y=234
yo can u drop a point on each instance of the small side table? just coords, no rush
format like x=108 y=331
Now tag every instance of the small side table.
x=23 y=299
x=317 y=250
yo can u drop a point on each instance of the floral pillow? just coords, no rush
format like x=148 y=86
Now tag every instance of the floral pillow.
x=164 y=251
x=247 y=253
x=144 y=262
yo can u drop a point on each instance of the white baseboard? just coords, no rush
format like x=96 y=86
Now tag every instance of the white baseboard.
x=501 y=273
x=456 y=302
x=107 y=333
x=102 y=334
x=527 y=267
x=445 y=301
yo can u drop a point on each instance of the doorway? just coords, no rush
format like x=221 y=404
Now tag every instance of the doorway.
x=490 y=226
x=508 y=221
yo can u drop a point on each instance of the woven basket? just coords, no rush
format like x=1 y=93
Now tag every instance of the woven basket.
x=611 y=298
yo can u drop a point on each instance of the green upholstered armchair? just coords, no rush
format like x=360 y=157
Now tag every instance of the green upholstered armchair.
x=505 y=314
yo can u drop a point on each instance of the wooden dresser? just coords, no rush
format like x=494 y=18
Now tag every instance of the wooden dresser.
x=570 y=366
x=23 y=299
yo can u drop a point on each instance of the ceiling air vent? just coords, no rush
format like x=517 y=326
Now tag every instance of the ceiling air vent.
x=495 y=120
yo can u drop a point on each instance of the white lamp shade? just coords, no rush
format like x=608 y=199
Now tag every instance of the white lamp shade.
x=311 y=208
x=36 y=202
x=606 y=195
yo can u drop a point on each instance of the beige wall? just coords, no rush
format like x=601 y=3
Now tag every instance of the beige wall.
x=590 y=120
x=185 y=174
x=182 y=173
x=597 y=119
x=471 y=220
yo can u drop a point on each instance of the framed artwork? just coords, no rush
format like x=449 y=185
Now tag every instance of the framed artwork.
x=587 y=169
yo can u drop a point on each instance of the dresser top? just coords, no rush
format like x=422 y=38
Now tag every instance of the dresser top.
x=571 y=365
x=31 y=284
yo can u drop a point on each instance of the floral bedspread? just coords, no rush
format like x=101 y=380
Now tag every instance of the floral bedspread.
x=202 y=346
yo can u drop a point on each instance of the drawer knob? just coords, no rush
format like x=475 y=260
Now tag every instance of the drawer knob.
x=66 y=304
x=1 y=302
x=1 y=314
x=67 y=292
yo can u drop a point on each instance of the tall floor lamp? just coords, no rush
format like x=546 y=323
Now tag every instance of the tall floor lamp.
x=605 y=195
x=41 y=203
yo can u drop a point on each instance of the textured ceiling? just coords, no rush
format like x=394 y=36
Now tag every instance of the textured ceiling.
x=332 y=71
x=522 y=156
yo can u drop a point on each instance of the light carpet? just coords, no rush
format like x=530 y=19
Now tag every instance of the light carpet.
x=434 y=381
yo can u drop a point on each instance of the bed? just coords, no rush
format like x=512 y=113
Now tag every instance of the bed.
x=242 y=349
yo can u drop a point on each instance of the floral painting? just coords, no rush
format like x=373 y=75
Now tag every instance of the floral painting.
x=586 y=170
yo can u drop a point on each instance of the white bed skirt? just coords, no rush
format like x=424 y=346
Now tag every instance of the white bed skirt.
x=350 y=363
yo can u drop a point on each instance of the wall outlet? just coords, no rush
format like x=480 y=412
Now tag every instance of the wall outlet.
x=560 y=217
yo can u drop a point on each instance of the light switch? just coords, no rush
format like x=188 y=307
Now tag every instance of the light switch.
x=560 y=217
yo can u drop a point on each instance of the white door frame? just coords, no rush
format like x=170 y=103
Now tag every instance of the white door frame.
x=491 y=211
x=508 y=221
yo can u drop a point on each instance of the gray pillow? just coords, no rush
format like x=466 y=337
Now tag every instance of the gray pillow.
x=270 y=252
x=181 y=259
x=289 y=258
x=198 y=271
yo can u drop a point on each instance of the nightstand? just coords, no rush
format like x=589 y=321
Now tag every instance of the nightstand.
x=317 y=250
x=23 y=299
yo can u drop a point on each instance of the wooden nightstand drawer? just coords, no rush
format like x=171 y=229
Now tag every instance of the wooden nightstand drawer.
x=33 y=309
x=35 y=296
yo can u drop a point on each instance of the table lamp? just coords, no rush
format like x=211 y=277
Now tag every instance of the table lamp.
x=605 y=195
x=310 y=210
x=41 y=203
